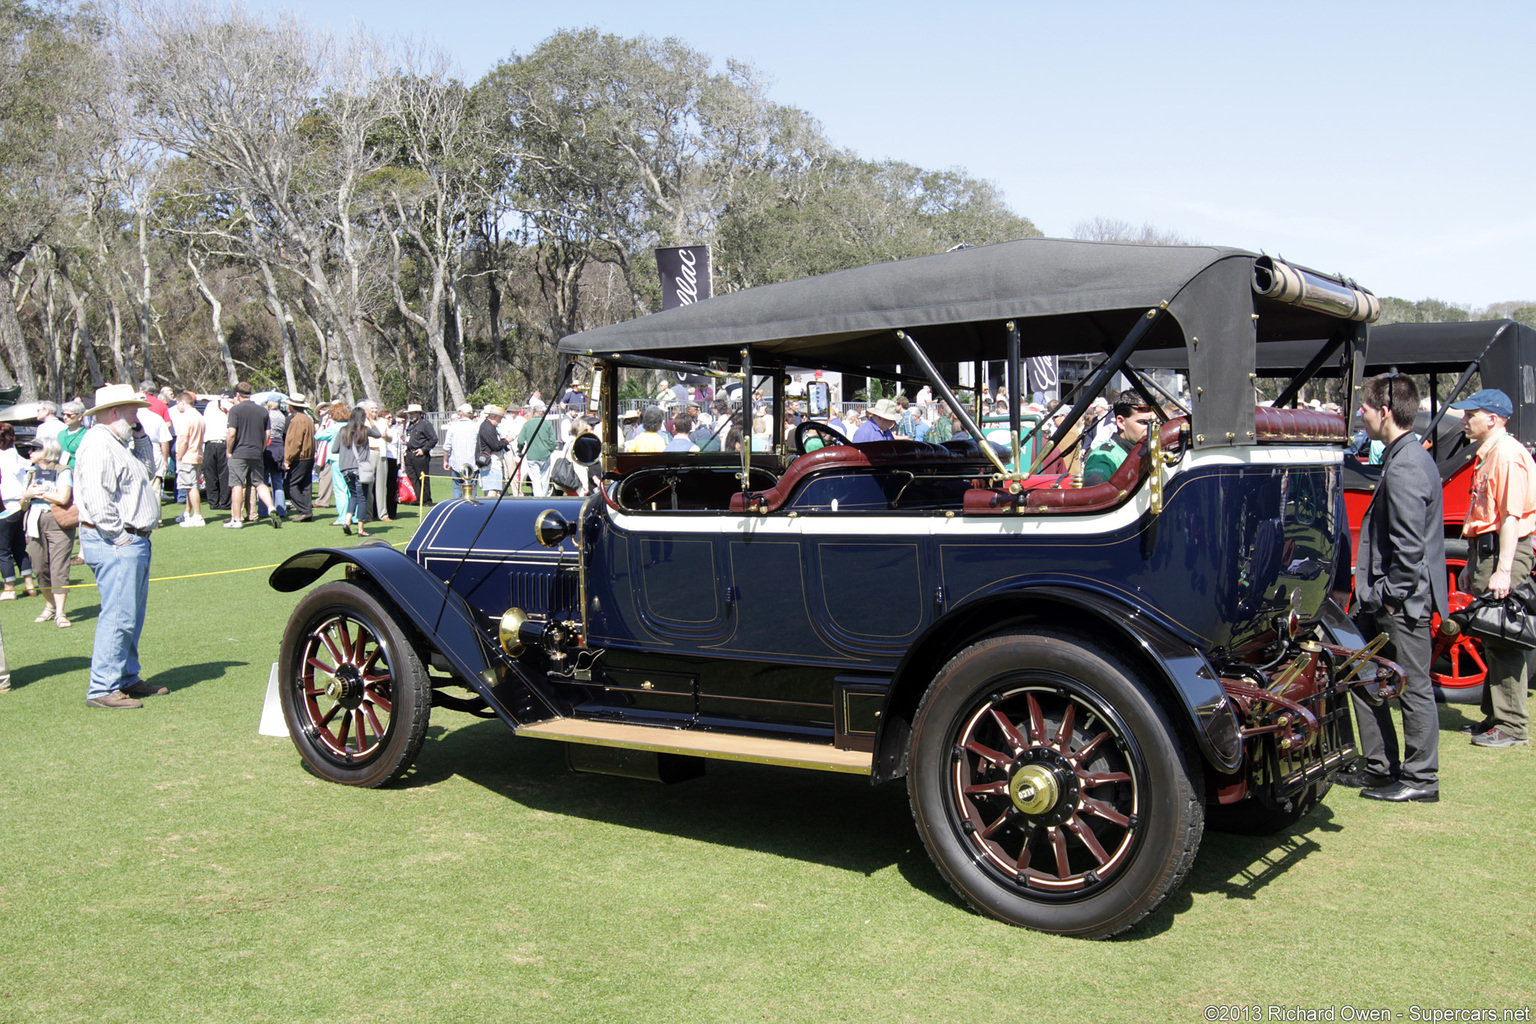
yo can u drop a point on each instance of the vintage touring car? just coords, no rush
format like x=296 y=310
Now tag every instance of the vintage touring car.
x=1071 y=680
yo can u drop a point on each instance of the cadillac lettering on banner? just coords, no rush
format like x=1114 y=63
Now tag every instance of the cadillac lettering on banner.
x=684 y=274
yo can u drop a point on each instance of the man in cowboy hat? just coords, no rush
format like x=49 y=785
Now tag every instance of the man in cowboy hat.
x=880 y=424
x=119 y=506
x=420 y=439
x=299 y=458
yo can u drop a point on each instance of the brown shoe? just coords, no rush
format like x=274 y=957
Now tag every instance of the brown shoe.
x=115 y=699
x=143 y=689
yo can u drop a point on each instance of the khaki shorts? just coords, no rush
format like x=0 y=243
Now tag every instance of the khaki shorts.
x=187 y=474
x=246 y=471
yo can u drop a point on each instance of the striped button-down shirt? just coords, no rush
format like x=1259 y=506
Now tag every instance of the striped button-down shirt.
x=112 y=487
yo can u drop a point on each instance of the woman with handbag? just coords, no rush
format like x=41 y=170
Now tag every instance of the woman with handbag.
x=52 y=518
x=356 y=468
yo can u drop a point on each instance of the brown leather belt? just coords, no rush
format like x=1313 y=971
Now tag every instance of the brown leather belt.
x=126 y=529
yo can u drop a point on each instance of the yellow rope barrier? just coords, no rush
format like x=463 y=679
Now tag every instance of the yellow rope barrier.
x=198 y=575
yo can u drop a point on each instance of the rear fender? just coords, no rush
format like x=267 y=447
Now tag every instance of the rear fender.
x=1189 y=676
x=442 y=617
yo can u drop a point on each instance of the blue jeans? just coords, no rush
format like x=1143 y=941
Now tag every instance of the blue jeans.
x=356 y=507
x=122 y=578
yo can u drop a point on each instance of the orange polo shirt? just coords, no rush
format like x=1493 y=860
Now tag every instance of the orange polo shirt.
x=1503 y=484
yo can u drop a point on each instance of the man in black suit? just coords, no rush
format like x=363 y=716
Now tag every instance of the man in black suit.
x=1400 y=578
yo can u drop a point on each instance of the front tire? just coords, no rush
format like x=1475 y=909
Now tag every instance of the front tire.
x=1050 y=791
x=354 y=691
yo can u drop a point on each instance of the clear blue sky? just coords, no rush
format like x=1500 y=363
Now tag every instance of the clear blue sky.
x=1392 y=142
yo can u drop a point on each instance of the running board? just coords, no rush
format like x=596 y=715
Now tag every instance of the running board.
x=724 y=746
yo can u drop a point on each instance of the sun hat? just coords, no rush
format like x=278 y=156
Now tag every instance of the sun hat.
x=885 y=409
x=1491 y=399
x=110 y=396
x=413 y=407
x=298 y=400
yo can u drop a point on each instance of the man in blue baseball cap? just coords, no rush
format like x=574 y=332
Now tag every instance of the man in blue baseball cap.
x=1501 y=518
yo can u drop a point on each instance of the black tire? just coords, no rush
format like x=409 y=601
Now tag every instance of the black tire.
x=1079 y=831
x=354 y=690
x=1251 y=818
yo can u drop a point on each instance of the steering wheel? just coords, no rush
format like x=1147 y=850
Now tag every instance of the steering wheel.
x=822 y=430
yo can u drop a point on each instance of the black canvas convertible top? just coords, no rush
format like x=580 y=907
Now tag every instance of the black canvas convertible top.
x=1076 y=296
x=1065 y=297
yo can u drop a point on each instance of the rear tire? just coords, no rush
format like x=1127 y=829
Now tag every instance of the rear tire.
x=355 y=694
x=1050 y=791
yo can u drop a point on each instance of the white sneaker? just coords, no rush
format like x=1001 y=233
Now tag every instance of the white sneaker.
x=234 y=524
x=193 y=521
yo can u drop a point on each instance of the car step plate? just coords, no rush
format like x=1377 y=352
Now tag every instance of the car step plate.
x=725 y=746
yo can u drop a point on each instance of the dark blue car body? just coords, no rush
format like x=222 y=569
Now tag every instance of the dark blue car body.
x=845 y=609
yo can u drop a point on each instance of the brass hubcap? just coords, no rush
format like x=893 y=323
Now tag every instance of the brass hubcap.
x=345 y=687
x=1034 y=789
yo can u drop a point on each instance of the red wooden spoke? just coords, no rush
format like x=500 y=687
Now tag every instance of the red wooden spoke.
x=1009 y=729
x=373 y=720
x=988 y=754
x=1085 y=751
x=337 y=657
x=1036 y=720
x=1087 y=838
x=1102 y=778
x=1059 y=844
x=1021 y=863
x=997 y=826
x=1064 y=734
x=1100 y=809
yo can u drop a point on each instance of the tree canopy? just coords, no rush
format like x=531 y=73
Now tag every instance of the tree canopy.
x=194 y=195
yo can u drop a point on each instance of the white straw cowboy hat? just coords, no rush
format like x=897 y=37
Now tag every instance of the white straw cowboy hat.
x=886 y=409
x=111 y=396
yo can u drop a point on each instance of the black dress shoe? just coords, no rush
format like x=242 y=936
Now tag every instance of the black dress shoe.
x=1362 y=779
x=1401 y=792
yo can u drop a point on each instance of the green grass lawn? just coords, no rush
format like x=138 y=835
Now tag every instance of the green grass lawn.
x=170 y=864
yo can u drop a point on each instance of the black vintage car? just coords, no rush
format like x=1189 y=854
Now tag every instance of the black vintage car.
x=1071 y=680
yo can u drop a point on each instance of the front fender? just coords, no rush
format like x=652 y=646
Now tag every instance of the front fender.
x=441 y=615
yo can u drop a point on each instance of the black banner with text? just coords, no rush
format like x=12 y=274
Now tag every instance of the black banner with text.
x=684 y=274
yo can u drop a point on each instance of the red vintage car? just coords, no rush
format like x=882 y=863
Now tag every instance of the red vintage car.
x=1450 y=361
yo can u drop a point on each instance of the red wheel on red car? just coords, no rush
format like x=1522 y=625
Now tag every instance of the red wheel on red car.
x=1458 y=670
